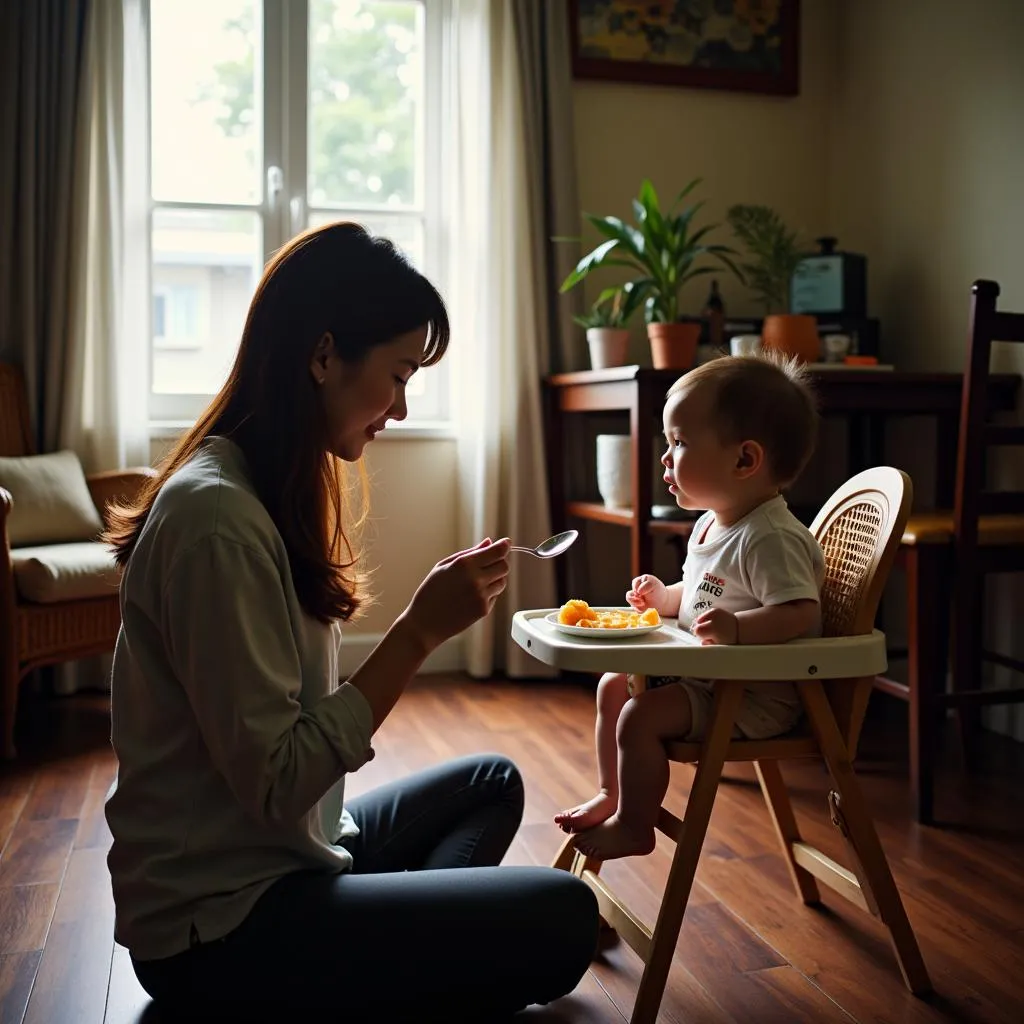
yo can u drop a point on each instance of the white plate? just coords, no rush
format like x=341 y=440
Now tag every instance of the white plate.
x=601 y=634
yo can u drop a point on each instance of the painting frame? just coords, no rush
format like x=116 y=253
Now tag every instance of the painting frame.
x=785 y=83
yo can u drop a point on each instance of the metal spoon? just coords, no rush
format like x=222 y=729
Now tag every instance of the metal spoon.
x=552 y=546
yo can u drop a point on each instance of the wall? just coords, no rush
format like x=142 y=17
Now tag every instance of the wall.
x=746 y=147
x=412 y=526
x=928 y=181
x=928 y=163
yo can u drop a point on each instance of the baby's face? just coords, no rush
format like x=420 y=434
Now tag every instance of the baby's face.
x=699 y=468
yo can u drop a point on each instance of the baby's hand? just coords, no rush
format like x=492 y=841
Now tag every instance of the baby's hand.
x=716 y=626
x=647 y=592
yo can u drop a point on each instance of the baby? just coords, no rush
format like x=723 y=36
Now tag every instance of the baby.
x=739 y=429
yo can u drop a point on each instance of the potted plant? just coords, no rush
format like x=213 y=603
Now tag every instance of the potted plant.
x=774 y=254
x=605 y=324
x=664 y=250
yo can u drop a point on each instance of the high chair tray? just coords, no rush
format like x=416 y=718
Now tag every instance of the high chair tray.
x=671 y=651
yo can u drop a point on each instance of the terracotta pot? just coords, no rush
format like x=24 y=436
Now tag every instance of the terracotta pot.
x=673 y=346
x=792 y=334
x=608 y=346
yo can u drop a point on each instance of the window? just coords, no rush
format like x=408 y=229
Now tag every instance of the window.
x=265 y=118
x=176 y=316
x=159 y=315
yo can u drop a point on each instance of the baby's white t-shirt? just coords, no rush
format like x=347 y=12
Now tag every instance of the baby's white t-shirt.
x=768 y=557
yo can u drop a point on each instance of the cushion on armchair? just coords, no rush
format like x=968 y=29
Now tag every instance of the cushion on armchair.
x=52 y=504
x=65 y=572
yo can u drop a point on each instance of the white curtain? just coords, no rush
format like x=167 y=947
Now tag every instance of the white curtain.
x=108 y=388
x=107 y=383
x=499 y=319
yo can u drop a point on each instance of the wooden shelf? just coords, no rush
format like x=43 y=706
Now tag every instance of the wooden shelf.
x=671 y=527
x=596 y=512
x=599 y=513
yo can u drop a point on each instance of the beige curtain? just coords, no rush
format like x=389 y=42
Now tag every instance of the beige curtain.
x=542 y=46
x=73 y=232
x=43 y=199
x=508 y=326
x=108 y=414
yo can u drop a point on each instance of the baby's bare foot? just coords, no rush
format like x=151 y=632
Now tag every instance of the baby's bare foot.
x=613 y=839
x=587 y=815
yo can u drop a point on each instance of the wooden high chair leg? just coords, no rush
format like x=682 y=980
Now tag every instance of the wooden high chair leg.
x=689 y=843
x=860 y=831
x=566 y=855
x=568 y=858
x=781 y=810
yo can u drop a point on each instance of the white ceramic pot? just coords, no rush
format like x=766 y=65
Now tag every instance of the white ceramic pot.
x=608 y=346
x=614 y=465
x=745 y=344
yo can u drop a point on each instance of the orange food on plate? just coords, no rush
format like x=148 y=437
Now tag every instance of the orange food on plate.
x=572 y=611
x=579 y=613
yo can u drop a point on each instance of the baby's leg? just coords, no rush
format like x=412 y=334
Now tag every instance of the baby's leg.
x=612 y=694
x=645 y=724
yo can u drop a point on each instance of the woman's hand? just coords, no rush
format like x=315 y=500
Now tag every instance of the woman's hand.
x=648 y=592
x=458 y=591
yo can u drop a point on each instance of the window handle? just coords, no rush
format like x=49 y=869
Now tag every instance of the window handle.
x=297 y=214
x=275 y=186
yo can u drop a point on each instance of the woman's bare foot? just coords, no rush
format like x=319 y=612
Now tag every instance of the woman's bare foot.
x=593 y=812
x=613 y=839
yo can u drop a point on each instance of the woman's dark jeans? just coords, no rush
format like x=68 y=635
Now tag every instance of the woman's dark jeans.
x=425 y=928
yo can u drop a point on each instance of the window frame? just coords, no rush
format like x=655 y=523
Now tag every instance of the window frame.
x=283 y=84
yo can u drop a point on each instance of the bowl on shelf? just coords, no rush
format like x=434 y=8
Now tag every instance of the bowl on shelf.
x=669 y=512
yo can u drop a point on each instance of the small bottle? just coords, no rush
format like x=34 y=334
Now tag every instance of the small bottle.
x=714 y=312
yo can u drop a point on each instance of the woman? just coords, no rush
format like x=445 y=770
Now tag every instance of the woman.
x=242 y=884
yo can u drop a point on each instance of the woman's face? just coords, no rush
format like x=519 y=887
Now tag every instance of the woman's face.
x=360 y=398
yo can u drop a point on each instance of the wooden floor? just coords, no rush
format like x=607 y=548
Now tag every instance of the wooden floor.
x=749 y=952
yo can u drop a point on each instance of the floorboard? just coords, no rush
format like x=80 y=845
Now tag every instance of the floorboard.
x=748 y=950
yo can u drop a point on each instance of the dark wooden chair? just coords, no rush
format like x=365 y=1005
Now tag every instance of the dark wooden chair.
x=948 y=555
x=34 y=634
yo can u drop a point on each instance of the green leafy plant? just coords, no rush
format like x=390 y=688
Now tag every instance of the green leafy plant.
x=774 y=253
x=613 y=308
x=662 y=248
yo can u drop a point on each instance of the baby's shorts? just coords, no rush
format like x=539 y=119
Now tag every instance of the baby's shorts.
x=767 y=710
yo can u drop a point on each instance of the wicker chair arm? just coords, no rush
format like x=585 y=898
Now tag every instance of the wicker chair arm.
x=117 y=485
x=6 y=569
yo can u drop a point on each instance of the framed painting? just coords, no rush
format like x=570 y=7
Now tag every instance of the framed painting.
x=745 y=45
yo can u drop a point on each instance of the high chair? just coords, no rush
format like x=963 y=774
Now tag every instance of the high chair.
x=859 y=530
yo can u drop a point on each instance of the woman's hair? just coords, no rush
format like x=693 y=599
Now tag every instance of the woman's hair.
x=361 y=289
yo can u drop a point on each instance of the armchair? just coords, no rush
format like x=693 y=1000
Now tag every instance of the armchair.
x=58 y=602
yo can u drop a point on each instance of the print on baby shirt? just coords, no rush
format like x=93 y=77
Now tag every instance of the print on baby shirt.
x=768 y=557
x=712 y=586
